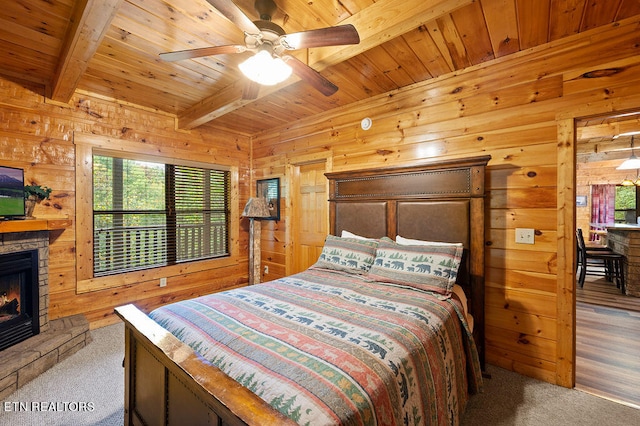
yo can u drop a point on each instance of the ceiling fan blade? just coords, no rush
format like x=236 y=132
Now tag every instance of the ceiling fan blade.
x=330 y=36
x=311 y=76
x=200 y=52
x=233 y=13
x=250 y=90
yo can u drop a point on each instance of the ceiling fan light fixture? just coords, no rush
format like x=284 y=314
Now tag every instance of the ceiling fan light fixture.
x=265 y=69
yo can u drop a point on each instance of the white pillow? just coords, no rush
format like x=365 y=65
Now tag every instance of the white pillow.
x=347 y=234
x=411 y=242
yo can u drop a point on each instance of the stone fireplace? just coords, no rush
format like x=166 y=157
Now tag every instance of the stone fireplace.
x=37 y=343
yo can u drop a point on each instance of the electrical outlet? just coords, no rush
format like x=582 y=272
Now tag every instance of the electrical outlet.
x=163 y=282
x=525 y=236
x=266 y=270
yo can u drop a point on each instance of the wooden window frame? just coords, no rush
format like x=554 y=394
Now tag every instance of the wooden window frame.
x=85 y=146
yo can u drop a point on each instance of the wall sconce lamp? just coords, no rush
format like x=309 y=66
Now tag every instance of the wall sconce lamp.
x=256 y=208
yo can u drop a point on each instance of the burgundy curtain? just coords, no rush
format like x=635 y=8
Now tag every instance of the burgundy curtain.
x=603 y=199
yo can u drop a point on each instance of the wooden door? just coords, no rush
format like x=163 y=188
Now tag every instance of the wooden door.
x=310 y=214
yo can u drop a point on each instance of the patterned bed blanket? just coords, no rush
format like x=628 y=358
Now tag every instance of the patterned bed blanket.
x=328 y=348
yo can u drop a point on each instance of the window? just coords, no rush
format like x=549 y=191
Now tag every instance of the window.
x=625 y=204
x=148 y=214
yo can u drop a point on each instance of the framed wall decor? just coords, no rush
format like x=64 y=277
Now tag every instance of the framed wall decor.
x=581 y=200
x=270 y=189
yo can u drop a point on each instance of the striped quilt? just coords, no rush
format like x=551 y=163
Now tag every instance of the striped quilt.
x=329 y=348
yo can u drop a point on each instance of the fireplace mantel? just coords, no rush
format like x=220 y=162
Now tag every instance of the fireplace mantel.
x=33 y=225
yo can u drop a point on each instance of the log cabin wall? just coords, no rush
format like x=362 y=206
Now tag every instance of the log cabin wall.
x=38 y=135
x=520 y=110
x=596 y=173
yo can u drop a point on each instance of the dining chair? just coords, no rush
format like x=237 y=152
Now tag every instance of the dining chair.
x=599 y=261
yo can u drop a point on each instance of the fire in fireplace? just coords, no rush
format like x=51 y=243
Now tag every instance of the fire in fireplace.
x=19 y=297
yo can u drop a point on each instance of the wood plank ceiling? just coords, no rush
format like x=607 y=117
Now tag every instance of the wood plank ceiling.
x=111 y=47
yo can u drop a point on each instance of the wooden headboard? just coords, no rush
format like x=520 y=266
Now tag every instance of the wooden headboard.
x=441 y=201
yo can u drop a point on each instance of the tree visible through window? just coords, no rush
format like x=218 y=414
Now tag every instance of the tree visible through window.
x=625 y=204
x=148 y=214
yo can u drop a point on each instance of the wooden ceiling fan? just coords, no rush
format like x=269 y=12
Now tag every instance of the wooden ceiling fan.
x=265 y=36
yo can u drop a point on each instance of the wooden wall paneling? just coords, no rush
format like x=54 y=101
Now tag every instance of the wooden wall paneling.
x=526 y=324
x=537 y=282
x=521 y=300
x=619 y=73
x=566 y=290
x=521 y=217
x=523 y=177
x=531 y=347
x=533 y=197
x=98 y=305
x=515 y=361
x=532 y=261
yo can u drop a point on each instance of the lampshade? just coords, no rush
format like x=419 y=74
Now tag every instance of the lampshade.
x=627 y=182
x=265 y=69
x=256 y=208
x=632 y=162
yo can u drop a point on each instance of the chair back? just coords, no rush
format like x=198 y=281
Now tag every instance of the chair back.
x=582 y=247
x=580 y=237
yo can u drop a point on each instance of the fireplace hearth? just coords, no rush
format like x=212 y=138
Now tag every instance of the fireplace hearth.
x=19 y=296
x=57 y=339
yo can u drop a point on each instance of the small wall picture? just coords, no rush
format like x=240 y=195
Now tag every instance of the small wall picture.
x=270 y=189
x=581 y=201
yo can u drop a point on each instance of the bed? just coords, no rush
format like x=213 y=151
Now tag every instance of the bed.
x=378 y=331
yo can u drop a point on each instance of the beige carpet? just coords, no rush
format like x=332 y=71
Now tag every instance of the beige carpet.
x=87 y=389
x=512 y=399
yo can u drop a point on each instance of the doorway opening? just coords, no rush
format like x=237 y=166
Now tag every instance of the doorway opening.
x=606 y=318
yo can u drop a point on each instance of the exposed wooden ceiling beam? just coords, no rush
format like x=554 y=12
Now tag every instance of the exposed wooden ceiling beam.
x=88 y=26
x=376 y=24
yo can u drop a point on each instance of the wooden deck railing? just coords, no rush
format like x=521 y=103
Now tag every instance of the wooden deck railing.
x=140 y=247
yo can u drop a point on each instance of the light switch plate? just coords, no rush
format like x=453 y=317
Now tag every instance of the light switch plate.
x=525 y=236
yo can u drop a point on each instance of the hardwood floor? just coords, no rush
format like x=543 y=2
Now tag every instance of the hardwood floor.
x=608 y=342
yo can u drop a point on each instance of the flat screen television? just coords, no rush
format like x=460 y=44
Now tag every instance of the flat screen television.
x=11 y=192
